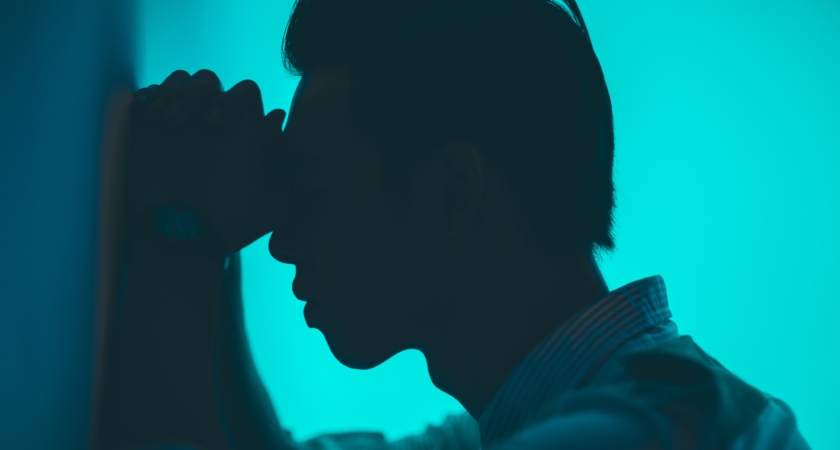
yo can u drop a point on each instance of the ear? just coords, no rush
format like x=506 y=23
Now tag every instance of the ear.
x=465 y=180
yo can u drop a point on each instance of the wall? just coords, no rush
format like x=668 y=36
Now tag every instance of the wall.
x=58 y=62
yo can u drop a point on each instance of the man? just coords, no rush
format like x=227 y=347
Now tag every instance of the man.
x=442 y=183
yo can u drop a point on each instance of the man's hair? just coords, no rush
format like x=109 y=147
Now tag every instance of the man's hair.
x=518 y=78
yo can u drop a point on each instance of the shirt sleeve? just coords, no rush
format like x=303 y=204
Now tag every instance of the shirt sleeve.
x=775 y=429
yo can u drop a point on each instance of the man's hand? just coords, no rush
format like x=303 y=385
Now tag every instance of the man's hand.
x=214 y=152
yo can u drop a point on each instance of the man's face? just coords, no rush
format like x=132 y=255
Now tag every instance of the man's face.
x=367 y=276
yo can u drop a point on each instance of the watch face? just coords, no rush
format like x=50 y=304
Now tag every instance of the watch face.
x=178 y=223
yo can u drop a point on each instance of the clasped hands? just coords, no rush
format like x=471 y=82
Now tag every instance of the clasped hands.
x=213 y=151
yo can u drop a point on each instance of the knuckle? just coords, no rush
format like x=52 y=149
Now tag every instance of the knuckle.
x=245 y=90
x=141 y=94
x=161 y=92
x=202 y=84
x=250 y=86
x=176 y=77
x=207 y=76
x=205 y=73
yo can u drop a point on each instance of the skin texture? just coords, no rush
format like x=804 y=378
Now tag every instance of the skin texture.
x=458 y=276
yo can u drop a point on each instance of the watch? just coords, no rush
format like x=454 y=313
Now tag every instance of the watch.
x=180 y=228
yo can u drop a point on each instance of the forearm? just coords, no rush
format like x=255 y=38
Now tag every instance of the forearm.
x=248 y=413
x=159 y=382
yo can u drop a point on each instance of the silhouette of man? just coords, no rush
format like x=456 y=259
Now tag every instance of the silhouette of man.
x=442 y=183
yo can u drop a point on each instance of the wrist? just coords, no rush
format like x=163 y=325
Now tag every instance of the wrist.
x=179 y=229
x=177 y=292
x=171 y=282
x=165 y=341
x=145 y=249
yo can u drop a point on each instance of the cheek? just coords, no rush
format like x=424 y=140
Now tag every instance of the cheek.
x=367 y=321
x=353 y=252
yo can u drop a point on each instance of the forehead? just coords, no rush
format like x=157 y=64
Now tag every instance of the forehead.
x=324 y=118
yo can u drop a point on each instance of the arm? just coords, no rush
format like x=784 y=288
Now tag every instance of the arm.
x=158 y=382
x=180 y=367
x=248 y=413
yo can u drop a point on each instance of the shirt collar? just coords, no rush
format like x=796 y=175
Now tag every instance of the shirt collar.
x=566 y=358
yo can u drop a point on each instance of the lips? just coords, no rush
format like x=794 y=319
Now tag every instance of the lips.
x=310 y=314
x=310 y=310
x=301 y=294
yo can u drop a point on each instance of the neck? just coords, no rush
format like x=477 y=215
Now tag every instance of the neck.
x=493 y=335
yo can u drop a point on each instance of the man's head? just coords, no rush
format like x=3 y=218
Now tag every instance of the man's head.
x=440 y=141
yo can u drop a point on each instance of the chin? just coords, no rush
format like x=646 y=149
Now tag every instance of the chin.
x=355 y=354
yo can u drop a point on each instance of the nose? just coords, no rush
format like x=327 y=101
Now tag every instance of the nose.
x=284 y=244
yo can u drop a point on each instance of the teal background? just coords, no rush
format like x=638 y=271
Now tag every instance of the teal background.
x=726 y=169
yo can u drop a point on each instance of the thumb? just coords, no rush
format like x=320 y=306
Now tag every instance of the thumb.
x=277 y=162
x=271 y=127
x=271 y=136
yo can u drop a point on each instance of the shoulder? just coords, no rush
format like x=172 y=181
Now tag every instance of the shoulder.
x=597 y=426
x=614 y=417
x=774 y=429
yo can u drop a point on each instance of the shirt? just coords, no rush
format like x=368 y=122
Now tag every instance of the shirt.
x=555 y=375
x=632 y=317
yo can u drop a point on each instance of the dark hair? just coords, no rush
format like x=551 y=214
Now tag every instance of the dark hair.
x=519 y=78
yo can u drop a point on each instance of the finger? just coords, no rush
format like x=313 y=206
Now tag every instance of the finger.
x=157 y=107
x=271 y=129
x=140 y=101
x=161 y=92
x=143 y=94
x=276 y=159
x=178 y=115
x=243 y=98
x=201 y=87
x=144 y=99
x=206 y=76
x=160 y=97
x=141 y=97
x=176 y=78
x=190 y=95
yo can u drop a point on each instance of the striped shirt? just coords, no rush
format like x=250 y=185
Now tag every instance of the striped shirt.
x=633 y=317
x=551 y=379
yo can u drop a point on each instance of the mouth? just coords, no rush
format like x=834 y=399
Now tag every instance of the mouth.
x=301 y=294
x=310 y=314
